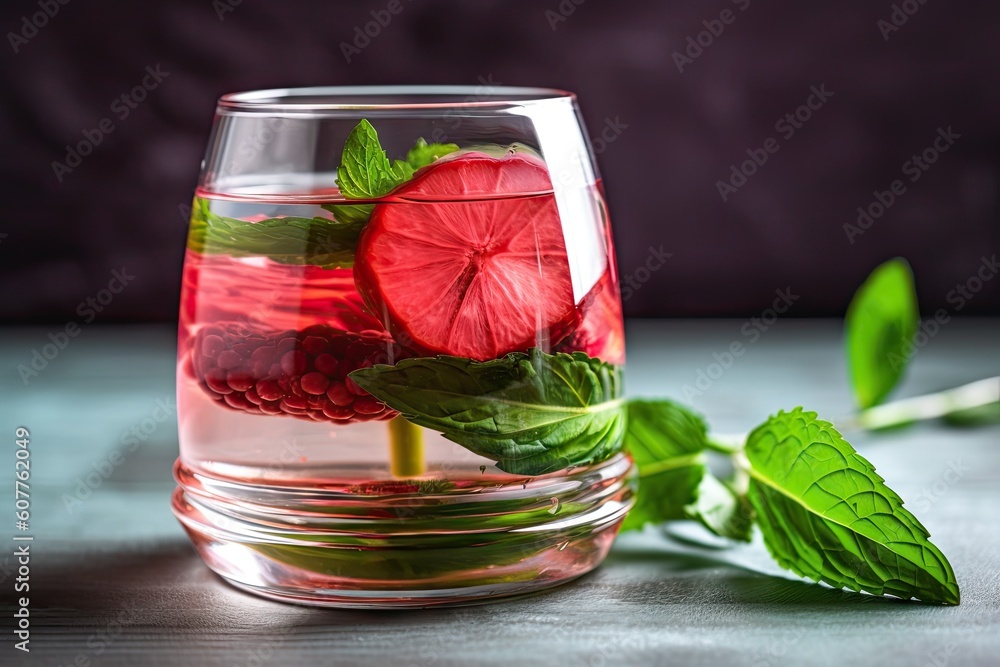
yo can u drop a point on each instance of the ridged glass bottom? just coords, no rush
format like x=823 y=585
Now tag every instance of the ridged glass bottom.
x=399 y=544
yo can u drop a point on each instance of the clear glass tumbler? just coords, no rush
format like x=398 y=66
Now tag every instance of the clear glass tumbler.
x=400 y=347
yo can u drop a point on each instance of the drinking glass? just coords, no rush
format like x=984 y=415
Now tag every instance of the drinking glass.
x=400 y=347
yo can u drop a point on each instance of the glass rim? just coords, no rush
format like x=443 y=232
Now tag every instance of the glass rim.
x=280 y=100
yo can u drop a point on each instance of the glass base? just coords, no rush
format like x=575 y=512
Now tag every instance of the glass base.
x=397 y=544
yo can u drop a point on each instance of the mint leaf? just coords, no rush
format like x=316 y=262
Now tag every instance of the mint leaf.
x=288 y=240
x=977 y=416
x=973 y=404
x=532 y=413
x=404 y=170
x=365 y=171
x=423 y=153
x=881 y=322
x=826 y=515
x=350 y=214
x=720 y=509
x=665 y=440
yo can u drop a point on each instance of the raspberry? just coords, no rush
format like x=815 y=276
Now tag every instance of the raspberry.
x=294 y=373
x=599 y=332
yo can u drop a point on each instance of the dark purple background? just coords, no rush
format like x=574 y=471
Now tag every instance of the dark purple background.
x=784 y=228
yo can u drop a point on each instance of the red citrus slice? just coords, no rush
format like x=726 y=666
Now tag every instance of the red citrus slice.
x=459 y=273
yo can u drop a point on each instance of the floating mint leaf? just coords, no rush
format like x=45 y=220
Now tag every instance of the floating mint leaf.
x=423 y=153
x=532 y=413
x=365 y=171
x=665 y=440
x=404 y=170
x=826 y=515
x=881 y=322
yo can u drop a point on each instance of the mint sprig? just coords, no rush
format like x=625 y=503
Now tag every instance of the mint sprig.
x=423 y=153
x=366 y=172
x=880 y=324
x=666 y=441
x=822 y=509
x=827 y=515
x=880 y=328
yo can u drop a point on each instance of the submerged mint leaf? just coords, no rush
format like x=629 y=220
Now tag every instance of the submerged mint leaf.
x=288 y=240
x=532 y=413
x=423 y=153
x=720 y=509
x=826 y=515
x=665 y=440
x=880 y=324
x=350 y=214
x=365 y=171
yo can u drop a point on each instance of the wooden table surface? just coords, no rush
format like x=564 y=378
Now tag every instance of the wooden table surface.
x=113 y=580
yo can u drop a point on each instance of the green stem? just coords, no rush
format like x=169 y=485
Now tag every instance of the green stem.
x=406 y=448
x=972 y=396
x=726 y=443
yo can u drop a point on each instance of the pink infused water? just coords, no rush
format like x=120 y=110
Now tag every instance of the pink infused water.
x=265 y=349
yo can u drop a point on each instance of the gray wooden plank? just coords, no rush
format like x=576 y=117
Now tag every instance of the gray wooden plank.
x=114 y=580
